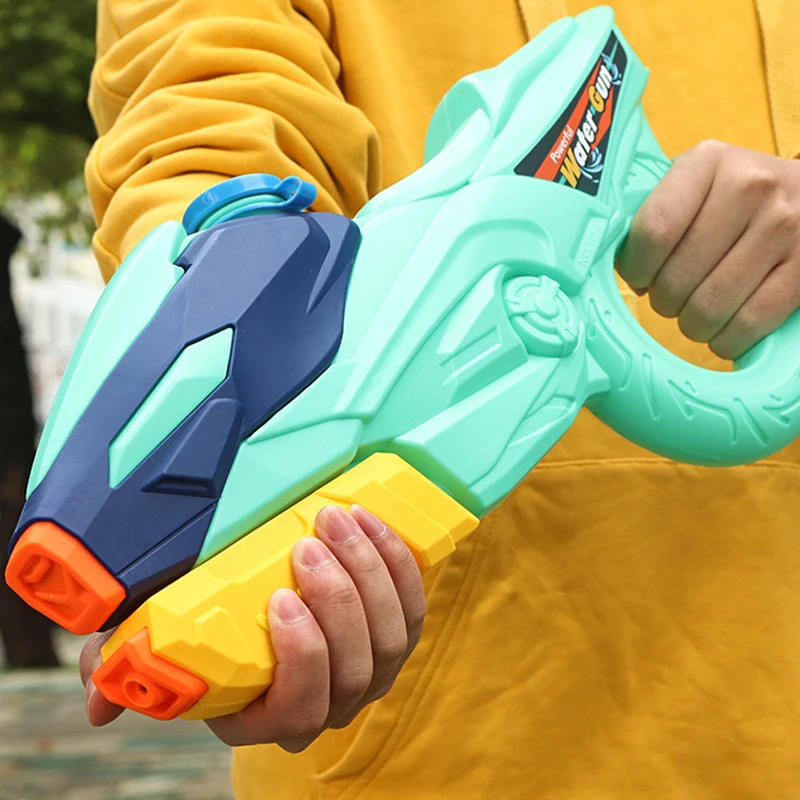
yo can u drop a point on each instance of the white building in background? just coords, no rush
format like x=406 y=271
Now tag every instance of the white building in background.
x=53 y=309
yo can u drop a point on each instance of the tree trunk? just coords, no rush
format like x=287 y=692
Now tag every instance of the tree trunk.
x=26 y=634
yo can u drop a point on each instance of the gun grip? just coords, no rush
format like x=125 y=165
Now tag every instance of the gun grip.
x=668 y=405
x=200 y=647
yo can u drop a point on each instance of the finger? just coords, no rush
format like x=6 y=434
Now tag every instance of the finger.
x=382 y=608
x=99 y=710
x=665 y=216
x=765 y=311
x=715 y=231
x=404 y=570
x=717 y=299
x=293 y=710
x=334 y=601
x=91 y=657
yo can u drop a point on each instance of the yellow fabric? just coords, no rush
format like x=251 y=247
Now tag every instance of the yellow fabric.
x=780 y=21
x=187 y=92
x=538 y=14
x=623 y=627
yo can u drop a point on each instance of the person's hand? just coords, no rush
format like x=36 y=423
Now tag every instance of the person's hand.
x=717 y=245
x=338 y=649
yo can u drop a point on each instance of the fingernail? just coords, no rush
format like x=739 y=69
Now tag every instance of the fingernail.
x=336 y=525
x=314 y=554
x=369 y=523
x=287 y=605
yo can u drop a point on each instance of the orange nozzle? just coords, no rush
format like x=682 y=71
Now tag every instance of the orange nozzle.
x=137 y=678
x=57 y=575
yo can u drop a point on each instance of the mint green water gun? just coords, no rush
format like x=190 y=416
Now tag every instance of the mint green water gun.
x=259 y=361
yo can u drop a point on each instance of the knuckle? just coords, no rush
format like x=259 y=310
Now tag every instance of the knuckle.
x=758 y=181
x=668 y=295
x=785 y=217
x=295 y=747
x=747 y=328
x=342 y=596
x=392 y=650
x=710 y=149
x=343 y=720
x=749 y=323
x=692 y=330
x=371 y=565
x=300 y=742
x=312 y=650
x=353 y=683
x=703 y=313
x=403 y=558
x=305 y=723
x=654 y=226
x=381 y=691
x=721 y=348
x=303 y=727
x=414 y=621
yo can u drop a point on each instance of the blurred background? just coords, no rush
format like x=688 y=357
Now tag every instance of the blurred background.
x=49 y=283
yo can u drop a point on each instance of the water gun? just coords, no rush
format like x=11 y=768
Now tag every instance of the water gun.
x=259 y=361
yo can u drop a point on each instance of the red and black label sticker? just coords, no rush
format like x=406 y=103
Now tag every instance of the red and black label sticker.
x=573 y=151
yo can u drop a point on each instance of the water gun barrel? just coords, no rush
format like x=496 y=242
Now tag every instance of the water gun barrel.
x=199 y=338
x=260 y=360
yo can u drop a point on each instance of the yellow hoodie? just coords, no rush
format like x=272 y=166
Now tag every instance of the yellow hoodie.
x=623 y=627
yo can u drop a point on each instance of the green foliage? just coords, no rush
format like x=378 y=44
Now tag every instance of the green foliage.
x=36 y=161
x=46 y=54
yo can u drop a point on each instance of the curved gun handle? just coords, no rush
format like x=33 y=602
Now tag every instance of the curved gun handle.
x=674 y=408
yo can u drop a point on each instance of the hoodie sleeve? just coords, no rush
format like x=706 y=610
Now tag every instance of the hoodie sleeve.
x=186 y=93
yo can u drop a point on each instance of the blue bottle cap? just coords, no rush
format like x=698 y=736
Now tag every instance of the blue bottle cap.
x=297 y=195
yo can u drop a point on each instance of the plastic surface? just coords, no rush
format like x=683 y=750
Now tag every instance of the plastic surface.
x=131 y=299
x=260 y=192
x=481 y=314
x=483 y=310
x=211 y=624
x=142 y=681
x=199 y=370
x=53 y=572
x=269 y=280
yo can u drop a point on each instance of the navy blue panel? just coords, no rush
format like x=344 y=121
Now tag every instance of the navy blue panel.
x=280 y=346
x=199 y=461
x=280 y=281
x=158 y=568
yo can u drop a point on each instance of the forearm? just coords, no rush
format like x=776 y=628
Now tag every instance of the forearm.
x=187 y=93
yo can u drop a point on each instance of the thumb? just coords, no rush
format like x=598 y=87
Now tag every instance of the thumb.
x=99 y=711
